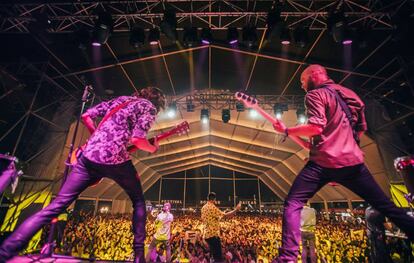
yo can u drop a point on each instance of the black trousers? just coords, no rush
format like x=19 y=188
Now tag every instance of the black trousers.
x=84 y=174
x=308 y=247
x=379 y=251
x=312 y=178
x=215 y=248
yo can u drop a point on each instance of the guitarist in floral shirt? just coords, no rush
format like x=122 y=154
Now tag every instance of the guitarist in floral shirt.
x=126 y=120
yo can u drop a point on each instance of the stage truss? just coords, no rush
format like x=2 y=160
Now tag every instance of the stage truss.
x=68 y=16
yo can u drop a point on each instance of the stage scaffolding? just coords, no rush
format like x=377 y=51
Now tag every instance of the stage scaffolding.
x=68 y=16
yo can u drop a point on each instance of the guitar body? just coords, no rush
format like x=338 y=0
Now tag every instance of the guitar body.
x=76 y=154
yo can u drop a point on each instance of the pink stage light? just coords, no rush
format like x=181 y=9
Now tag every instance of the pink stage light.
x=347 y=42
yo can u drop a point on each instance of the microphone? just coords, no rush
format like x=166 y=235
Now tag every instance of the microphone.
x=87 y=92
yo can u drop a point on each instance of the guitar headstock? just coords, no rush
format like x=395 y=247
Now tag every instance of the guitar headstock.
x=182 y=128
x=247 y=100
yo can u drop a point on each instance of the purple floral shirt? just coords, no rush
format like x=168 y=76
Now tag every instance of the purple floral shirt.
x=108 y=144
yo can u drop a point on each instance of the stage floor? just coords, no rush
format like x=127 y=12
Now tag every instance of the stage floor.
x=54 y=259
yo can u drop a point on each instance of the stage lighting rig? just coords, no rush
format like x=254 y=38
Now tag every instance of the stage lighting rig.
x=169 y=25
x=301 y=36
x=279 y=108
x=338 y=27
x=285 y=37
x=225 y=115
x=239 y=107
x=137 y=37
x=232 y=35
x=190 y=37
x=204 y=116
x=190 y=106
x=206 y=36
x=300 y=114
x=154 y=36
x=172 y=110
x=249 y=35
x=103 y=29
x=273 y=21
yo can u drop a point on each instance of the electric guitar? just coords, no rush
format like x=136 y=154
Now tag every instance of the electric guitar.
x=180 y=129
x=251 y=102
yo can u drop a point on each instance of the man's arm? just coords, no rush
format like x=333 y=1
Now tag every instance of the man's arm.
x=97 y=111
x=308 y=130
x=88 y=122
x=238 y=207
x=144 y=145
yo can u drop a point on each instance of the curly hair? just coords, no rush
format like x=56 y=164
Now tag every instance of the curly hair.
x=154 y=95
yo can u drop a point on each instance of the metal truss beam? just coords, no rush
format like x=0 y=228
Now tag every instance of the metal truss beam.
x=67 y=16
x=217 y=100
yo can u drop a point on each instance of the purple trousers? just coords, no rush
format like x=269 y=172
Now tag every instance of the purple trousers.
x=83 y=175
x=312 y=178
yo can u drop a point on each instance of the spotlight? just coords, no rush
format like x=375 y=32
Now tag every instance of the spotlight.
x=190 y=106
x=154 y=36
x=249 y=35
x=225 y=115
x=338 y=27
x=285 y=36
x=347 y=36
x=279 y=108
x=169 y=24
x=204 y=116
x=103 y=29
x=300 y=114
x=272 y=20
x=206 y=36
x=172 y=110
x=301 y=36
x=253 y=113
x=190 y=37
x=239 y=107
x=232 y=35
x=137 y=37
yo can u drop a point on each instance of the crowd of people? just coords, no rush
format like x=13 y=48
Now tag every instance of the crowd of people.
x=245 y=238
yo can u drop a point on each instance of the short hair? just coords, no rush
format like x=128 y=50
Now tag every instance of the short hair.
x=154 y=95
x=211 y=196
x=313 y=68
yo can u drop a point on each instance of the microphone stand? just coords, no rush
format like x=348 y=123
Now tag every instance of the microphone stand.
x=48 y=247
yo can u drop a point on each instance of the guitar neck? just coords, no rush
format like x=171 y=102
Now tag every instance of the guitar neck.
x=270 y=118
x=165 y=135
x=266 y=115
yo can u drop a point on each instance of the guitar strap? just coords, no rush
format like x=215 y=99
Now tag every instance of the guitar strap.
x=347 y=111
x=112 y=112
x=115 y=110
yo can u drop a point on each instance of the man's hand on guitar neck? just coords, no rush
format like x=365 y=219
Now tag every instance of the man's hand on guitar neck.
x=307 y=130
x=279 y=127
